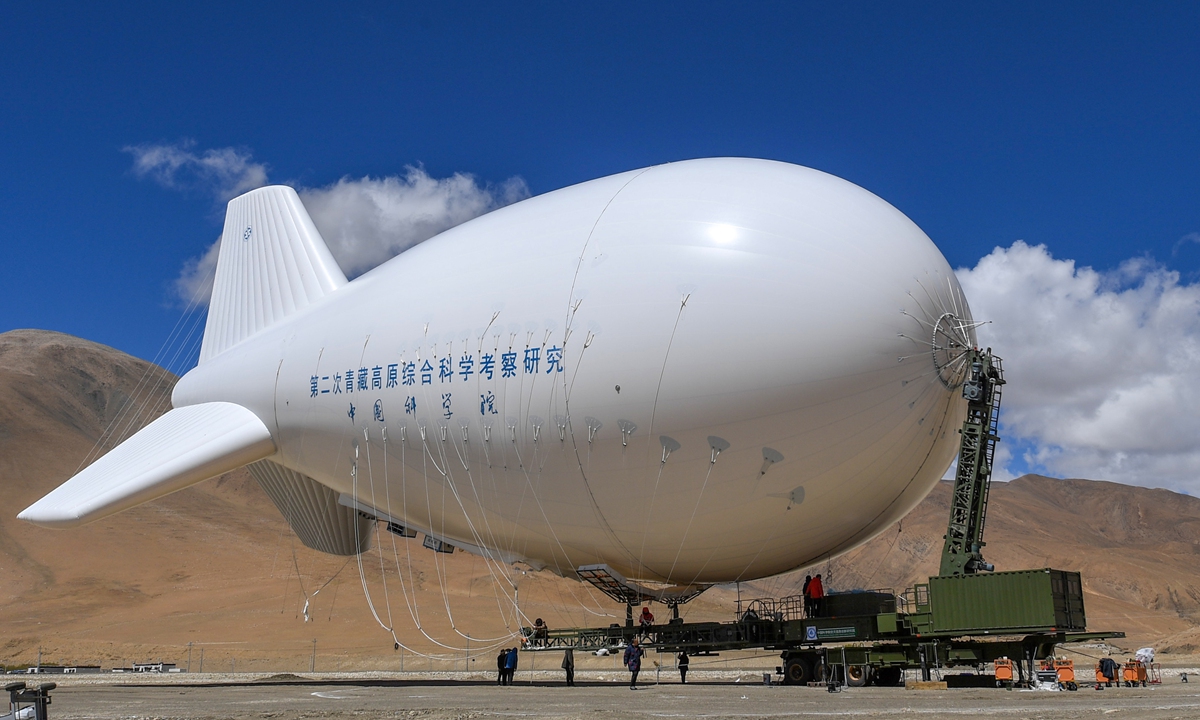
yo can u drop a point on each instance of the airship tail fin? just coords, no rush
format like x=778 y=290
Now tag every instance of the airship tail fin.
x=181 y=448
x=272 y=263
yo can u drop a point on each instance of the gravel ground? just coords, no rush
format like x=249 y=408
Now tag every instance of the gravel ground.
x=597 y=696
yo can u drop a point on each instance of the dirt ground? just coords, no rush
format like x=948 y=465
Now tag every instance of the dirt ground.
x=597 y=696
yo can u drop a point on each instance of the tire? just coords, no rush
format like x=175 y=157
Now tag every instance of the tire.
x=797 y=671
x=890 y=677
x=1072 y=686
x=858 y=675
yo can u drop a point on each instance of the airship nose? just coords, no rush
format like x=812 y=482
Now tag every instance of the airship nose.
x=811 y=328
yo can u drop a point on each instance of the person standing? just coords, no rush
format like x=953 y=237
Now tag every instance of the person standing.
x=683 y=661
x=510 y=666
x=500 y=667
x=807 y=598
x=816 y=590
x=633 y=661
x=568 y=664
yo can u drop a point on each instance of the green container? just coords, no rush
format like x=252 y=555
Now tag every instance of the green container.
x=1023 y=600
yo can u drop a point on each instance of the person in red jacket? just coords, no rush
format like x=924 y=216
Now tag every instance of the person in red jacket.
x=646 y=621
x=816 y=591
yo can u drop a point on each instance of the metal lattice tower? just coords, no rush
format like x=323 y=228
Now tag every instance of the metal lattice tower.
x=962 y=553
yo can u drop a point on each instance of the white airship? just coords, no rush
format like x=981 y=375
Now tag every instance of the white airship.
x=698 y=372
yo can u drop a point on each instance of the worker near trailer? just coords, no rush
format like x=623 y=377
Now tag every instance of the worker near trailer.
x=510 y=666
x=807 y=598
x=816 y=590
x=568 y=665
x=501 y=673
x=541 y=632
x=633 y=661
x=682 y=661
x=646 y=620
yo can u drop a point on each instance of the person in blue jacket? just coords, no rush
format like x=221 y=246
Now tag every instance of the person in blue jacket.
x=633 y=661
x=510 y=666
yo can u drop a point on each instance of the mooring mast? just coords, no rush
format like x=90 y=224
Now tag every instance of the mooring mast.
x=962 y=553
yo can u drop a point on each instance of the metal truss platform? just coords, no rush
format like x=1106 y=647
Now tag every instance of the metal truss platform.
x=613 y=584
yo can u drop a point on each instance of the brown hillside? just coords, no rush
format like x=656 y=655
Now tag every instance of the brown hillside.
x=216 y=566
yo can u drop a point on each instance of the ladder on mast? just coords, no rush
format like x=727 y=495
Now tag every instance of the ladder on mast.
x=962 y=553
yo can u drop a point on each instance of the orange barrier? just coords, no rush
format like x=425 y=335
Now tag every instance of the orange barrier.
x=1134 y=673
x=1064 y=670
x=1102 y=680
x=1004 y=672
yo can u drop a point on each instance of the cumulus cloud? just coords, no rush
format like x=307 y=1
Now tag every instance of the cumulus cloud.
x=195 y=282
x=369 y=220
x=223 y=172
x=365 y=221
x=1103 y=367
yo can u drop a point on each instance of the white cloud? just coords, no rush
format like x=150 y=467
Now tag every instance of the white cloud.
x=1103 y=367
x=224 y=172
x=370 y=220
x=195 y=282
x=1192 y=237
x=365 y=221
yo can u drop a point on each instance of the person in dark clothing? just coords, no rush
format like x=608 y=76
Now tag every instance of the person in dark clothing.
x=633 y=661
x=541 y=632
x=500 y=670
x=683 y=661
x=510 y=666
x=816 y=590
x=807 y=597
x=568 y=664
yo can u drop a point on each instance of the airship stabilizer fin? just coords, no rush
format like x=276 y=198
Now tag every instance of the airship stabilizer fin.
x=272 y=263
x=181 y=448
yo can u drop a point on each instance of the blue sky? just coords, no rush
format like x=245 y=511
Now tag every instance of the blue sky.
x=1073 y=126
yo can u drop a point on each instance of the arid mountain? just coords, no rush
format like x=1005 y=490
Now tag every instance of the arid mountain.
x=216 y=567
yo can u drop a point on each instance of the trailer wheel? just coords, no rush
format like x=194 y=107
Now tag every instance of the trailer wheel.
x=858 y=675
x=888 y=676
x=1072 y=686
x=797 y=671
